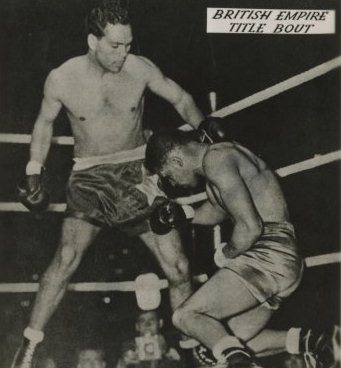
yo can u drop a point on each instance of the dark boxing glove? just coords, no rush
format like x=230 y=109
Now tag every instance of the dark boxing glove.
x=32 y=192
x=212 y=130
x=168 y=216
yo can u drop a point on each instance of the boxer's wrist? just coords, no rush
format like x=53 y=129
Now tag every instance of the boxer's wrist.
x=189 y=211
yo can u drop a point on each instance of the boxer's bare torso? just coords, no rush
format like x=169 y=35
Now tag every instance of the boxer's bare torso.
x=236 y=165
x=103 y=95
x=105 y=109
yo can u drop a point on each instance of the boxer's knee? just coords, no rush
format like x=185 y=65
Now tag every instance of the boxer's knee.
x=169 y=252
x=178 y=318
x=177 y=272
x=183 y=316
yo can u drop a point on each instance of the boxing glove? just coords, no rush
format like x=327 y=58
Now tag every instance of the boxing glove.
x=212 y=130
x=32 y=192
x=169 y=215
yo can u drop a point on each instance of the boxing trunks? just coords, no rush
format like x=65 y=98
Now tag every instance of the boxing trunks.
x=271 y=269
x=113 y=190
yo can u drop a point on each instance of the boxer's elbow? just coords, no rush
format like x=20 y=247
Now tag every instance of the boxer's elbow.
x=245 y=234
x=255 y=229
x=187 y=109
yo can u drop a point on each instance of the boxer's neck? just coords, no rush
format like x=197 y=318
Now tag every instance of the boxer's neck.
x=201 y=150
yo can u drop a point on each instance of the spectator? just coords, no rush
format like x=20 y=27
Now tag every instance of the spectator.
x=91 y=358
x=47 y=362
x=149 y=348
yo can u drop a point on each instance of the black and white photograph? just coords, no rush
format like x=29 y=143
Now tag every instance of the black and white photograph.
x=170 y=184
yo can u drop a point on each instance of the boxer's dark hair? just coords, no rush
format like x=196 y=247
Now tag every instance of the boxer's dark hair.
x=109 y=11
x=161 y=144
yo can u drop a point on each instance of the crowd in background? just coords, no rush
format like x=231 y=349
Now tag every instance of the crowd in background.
x=149 y=347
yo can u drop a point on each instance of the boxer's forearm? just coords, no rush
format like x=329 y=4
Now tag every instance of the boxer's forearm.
x=41 y=140
x=189 y=111
x=207 y=214
x=242 y=238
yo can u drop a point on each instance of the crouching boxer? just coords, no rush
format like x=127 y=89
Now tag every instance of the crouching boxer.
x=258 y=267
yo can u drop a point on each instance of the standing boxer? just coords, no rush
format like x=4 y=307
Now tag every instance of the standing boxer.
x=103 y=95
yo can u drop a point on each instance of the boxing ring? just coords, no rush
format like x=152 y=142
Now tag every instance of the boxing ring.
x=132 y=286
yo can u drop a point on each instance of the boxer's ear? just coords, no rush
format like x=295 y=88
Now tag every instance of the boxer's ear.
x=92 y=41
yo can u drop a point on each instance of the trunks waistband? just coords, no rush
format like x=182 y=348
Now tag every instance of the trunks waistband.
x=271 y=226
x=82 y=163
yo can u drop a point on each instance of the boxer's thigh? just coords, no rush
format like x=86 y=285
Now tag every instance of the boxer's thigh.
x=76 y=236
x=249 y=324
x=168 y=250
x=224 y=295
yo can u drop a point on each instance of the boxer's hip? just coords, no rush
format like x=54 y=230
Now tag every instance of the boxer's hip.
x=111 y=193
x=272 y=268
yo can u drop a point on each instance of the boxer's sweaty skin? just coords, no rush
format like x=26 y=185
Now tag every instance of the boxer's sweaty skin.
x=232 y=164
x=103 y=95
x=246 y=189
x=240 y=186
x=106 y=109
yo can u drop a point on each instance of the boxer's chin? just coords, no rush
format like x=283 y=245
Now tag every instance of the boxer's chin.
x=115 y=69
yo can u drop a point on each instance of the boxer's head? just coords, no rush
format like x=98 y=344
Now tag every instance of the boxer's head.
x=109 y=35
x=174 y=156
x=148 y=323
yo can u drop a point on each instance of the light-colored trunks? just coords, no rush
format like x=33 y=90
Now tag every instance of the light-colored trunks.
x=271 y=269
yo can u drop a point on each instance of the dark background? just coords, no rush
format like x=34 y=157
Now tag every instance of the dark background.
x=38 y=35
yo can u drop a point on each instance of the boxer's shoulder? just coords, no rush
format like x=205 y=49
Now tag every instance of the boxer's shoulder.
x=143 y=66
x=70 y=66
x=220 y=164
x=59 y=76
x=218 y=155
x=142 y=61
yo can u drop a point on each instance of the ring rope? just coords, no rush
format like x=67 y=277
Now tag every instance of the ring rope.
x=275 y=90
x=225 y=111
x=32 y=287
x=26 y=138
x=255 y=98
x=317 y=160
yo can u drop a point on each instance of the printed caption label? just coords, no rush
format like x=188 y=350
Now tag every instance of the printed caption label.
x=270 y=21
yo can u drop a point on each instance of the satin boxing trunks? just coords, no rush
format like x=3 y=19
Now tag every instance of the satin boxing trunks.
x=113 y=190
x=271 y=269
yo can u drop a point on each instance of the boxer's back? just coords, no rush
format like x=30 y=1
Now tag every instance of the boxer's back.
x=261 y=182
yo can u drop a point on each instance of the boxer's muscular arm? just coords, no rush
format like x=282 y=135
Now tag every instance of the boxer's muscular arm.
x=208 y=214
x=223 y=173
x=43 y=126
x=169 y=90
